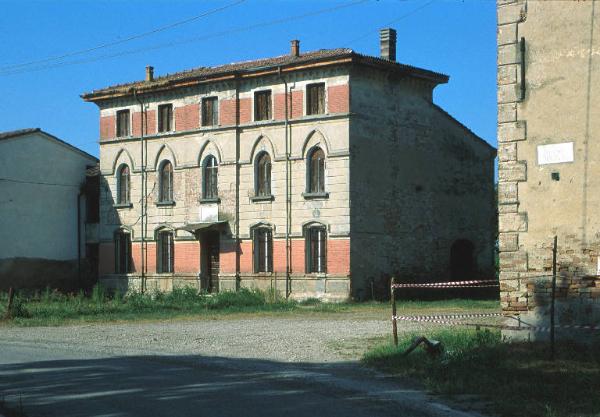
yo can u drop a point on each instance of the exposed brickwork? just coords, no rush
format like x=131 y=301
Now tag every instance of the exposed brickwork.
x=227 y=112
x=149 y=125
x=295 y=105
x=245 y=110
x=187 y=257
x=338 y=256
x=107 y=127
x=338 y=99
x=187 y=117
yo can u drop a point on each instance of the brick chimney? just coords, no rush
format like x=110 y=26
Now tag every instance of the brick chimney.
x=295 y=48
x=387 y=44
x=149 y=73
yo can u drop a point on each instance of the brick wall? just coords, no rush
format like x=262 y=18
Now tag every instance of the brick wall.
x=338 y=99
x=187 y=117
x=187 y=257
x=295 y=105
x=106 y=258
x=338 y=256
x=150 y=124
x=227 y=112
x=107 y=127
x=245 y=110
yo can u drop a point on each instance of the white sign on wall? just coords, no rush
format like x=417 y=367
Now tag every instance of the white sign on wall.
x=209 y=212
x=556 y=153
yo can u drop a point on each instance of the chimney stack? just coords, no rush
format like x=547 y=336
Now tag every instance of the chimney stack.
x=387 y=44
x=149 y=73
x=295 y=49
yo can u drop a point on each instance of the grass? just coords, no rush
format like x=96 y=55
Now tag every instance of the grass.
x=514 y=379
x=51 y=308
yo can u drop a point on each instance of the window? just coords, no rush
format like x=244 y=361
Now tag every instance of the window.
x=123 y=185
x=122 y=123
x=262 y=105
x=263 y=175
x=122 y=252
x=165 y=248
x=316 y=171
x=316 y=249
x=210 y=173
x=263 y=250
x=165 y=189
x=165 y=118
x=210 y=112
x=315 y=98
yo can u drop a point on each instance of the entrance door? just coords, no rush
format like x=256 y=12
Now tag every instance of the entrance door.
x=211 y=260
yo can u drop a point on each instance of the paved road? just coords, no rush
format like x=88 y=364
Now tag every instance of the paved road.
x=53 y=378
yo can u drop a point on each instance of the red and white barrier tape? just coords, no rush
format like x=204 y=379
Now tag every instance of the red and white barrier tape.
x=451 y=284
x=447 y=319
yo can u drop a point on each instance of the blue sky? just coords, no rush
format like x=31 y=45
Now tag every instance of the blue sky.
x=456 y=37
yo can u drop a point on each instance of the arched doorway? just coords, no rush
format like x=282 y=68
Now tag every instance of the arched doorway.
x=462 y=263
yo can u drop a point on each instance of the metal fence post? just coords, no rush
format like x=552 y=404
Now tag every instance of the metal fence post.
x=552 y=312
x=394 y=322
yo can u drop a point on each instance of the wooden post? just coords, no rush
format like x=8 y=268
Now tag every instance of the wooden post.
x=552 y=347
x=11 y=296
x=394 y=323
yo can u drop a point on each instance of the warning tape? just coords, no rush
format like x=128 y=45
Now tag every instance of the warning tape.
x=448 y=320
x=451 y=284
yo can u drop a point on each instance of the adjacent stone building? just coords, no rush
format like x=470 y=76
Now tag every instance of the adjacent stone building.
x=48 y=212
x=549 y=157
x=315 y=174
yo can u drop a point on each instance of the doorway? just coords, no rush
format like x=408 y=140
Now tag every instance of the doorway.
x=210 y=260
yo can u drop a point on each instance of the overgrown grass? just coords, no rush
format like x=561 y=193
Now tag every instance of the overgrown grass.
x=517 y=379
x=53 y=308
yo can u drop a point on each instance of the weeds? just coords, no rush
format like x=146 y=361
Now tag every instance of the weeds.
x=516 y=378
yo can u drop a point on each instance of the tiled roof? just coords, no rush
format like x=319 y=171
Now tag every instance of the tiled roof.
x=284 y=61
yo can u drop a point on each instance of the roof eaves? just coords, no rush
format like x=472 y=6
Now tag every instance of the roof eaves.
x=23 y=132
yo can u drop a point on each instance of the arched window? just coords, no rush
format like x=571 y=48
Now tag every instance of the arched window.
x=165 y=256
x=316 y=249
x=122 y=252
x=210 y=171
x=316 y=171
x=165 y=193
x=262 y=175
x=263 y=249
x=123 y=185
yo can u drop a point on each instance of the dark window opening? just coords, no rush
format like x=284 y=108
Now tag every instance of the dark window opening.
x=263 y=175
x=316 y=249
x=123 y=185
x=263 y=250
x=262 y=105
x=316 y=171
x=462 y=265
x=122 y=252
x=165 y=257
x=210 y=173
x=165 y=192
x=315 y=99
x=210 y=112
x=123 y=123
x=165 y=118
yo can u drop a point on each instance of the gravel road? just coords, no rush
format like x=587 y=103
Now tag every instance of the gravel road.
x=281 y=339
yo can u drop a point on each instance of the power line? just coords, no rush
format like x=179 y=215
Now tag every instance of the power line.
x=120 y=41
x=404 y=16
x=39 y=183
x=189 y=40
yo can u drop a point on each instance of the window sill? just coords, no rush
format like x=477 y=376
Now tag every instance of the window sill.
x=122 y=205
x=314 y=196
x=209 y=200
x=262 y=198
x=164 y=203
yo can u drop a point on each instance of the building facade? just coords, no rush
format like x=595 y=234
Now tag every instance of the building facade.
x=49 y=212
x=548 y=158
x=314 y=174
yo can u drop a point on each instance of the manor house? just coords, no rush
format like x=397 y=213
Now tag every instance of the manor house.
x=315 y=174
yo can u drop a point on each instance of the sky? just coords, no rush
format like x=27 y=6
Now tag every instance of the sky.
x=53 y=51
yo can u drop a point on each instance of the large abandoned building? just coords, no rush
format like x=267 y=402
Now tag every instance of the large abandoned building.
x=549 y=158
x=314 y=174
